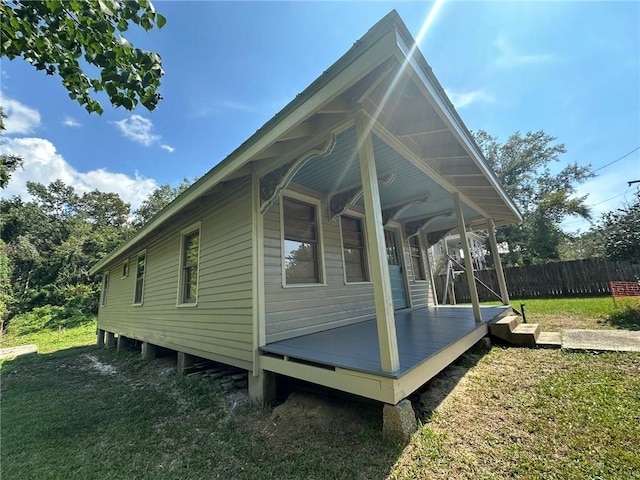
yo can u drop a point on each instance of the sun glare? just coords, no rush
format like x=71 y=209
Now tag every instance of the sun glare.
x=423 y=31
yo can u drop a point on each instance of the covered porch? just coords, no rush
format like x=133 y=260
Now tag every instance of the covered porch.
x=375 y=143
x=348 y=357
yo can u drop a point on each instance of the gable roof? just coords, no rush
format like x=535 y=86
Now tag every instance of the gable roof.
x=387 y=39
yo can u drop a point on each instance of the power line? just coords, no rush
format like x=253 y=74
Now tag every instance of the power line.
x=596 y=204
x=618 y=159
x=604 y=201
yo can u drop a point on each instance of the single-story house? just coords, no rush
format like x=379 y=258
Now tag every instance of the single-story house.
x=303 y=252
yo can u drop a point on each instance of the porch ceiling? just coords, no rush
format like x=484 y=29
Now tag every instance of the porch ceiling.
x=340 y=171
x=417 y=135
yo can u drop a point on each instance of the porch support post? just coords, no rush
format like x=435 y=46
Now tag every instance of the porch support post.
x=502 y=283
x=468 y=263
x=389 y=359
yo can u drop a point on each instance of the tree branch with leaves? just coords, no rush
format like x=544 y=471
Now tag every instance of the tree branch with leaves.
x=58 y=36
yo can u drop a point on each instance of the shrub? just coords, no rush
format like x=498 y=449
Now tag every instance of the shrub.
x=48 y=317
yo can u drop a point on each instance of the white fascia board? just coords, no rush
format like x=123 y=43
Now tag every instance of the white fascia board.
x=451 y=121
x=379 y=51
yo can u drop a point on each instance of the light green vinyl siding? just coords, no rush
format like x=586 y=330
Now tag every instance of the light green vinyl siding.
x=295 y=311
x=220 y=326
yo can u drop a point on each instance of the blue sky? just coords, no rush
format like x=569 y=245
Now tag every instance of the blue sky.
x=571 y=69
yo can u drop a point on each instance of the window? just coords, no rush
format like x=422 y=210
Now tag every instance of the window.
x=105 y=287
x=355 y=261
x=125 y=269
x=301 y=248
x=140 y=269
x=189 y=267
x=416 y=258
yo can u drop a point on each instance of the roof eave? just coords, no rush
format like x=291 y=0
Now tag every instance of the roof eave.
x=435 y=90
x=375 y=46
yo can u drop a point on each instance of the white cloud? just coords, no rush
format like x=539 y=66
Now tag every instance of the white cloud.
x=508 y=57
x=138 y=129
x=70 y=122
x=20 y=118
x=168 y=148
x=43 y=164
x=463 y=99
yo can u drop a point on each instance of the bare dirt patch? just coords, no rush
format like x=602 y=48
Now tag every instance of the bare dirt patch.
x=304 y=413
x=557 y=323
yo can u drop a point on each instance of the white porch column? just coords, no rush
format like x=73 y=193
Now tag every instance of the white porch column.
x=504 y=293
x=468 y=263
x=377 y=249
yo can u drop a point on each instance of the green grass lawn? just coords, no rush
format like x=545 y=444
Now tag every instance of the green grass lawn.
x=556 y=314
x=50 y=341
x=74 y=411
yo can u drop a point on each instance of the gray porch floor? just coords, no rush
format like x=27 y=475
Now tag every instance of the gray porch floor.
x=421 y=333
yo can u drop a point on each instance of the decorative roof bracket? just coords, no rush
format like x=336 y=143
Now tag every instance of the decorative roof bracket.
x=413 y=227
x=341 y=201
x=272 y=184
x=392 y=213
x=435 y=237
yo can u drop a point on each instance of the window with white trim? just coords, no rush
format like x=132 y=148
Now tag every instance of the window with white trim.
x=353 y=249
x=301 y=242
x=141 y=265
x=105 y=288
x=189 y=260
x=417 y=261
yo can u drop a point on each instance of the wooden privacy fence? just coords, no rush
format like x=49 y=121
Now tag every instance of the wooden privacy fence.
x=563 y=279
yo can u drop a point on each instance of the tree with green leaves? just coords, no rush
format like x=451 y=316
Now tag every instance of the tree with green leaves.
x=65 y=37
x=52 y=241
x=522 y=164
x=621 y=232
x=157 y=200
x=581 y=245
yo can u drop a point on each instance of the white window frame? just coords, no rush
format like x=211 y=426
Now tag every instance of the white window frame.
x=317 y=203
x=366 y=265
x=125 y=269
x=104 y=291
x=196 y=227
x=144 y=277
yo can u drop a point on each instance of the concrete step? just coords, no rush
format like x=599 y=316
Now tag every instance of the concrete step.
x=549 y=340
x=10 y=352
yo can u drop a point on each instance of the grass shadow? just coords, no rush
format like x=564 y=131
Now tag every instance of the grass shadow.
x=119 y=400
x=626 y=317
x=37 y=357
x=427 y=398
